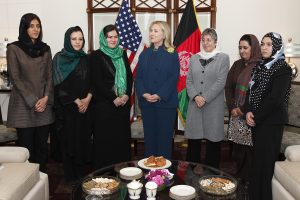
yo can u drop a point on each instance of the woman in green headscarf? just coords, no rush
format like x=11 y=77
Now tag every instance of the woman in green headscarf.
x=112 y=82
x=71 y=77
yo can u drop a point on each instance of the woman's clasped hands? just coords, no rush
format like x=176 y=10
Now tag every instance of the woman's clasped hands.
x=151 y=98
x=121 y=101
x=200 y=101
x=83 y=104
x=41 y=104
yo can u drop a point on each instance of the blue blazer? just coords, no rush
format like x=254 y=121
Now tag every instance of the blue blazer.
x=158 y=73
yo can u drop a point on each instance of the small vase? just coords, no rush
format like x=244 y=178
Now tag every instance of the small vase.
x=161 y=187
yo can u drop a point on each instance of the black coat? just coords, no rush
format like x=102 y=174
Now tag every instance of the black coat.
x=111 y=125
x=103 y=77
x=274 y=108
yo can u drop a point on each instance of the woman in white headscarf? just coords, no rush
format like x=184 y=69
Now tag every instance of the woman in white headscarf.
x=205 y=87
x=268 y=102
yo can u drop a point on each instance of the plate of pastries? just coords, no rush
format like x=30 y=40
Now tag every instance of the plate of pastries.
x=217 y=184
x=153 y=162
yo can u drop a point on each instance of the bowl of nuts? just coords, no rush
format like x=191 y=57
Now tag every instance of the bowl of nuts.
x=101 y=185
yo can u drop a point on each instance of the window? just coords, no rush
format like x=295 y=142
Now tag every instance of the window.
x=103 y=12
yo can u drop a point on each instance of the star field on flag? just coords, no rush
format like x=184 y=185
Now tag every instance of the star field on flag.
x=130 y=34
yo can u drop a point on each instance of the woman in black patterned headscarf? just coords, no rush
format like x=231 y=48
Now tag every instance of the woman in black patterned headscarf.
x=269 y=92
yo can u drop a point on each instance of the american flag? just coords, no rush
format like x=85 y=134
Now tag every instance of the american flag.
x=130 y=39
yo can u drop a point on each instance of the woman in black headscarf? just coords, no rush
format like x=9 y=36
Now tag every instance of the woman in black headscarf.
x=269 y=92
x=29 y=64
x=71 y=77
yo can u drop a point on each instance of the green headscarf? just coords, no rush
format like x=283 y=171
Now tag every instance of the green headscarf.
x=116 y=55
x=67 y=59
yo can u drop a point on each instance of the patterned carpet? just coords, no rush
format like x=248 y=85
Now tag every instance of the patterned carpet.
x=60 y=190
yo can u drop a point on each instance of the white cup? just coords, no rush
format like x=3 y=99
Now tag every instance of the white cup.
x=134 y=189
x=151 y=189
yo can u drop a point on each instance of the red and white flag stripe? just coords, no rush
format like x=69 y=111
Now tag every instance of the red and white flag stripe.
x=133 y=61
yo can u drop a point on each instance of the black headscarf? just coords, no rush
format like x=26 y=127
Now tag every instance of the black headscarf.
x=36 y=49
x=264 y=71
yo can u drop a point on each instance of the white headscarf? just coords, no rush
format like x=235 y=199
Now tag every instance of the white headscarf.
x=207 y=55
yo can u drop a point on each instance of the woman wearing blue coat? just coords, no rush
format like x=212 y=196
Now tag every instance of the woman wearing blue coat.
x=156 y=80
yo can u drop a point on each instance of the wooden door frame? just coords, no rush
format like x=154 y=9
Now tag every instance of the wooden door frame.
x=170 y=10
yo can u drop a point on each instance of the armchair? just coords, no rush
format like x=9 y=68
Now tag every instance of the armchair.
x=20 y=179
x=286 y=179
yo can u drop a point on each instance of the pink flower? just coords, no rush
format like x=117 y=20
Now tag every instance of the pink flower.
x=159 y=180
x=159 y=176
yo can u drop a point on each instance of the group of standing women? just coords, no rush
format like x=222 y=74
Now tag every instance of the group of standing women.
x=92 y=94
x=257 y=92
x=85 y=93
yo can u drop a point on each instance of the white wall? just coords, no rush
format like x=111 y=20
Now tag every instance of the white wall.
x=10 y=14
x=56 y=16
x=237 y=17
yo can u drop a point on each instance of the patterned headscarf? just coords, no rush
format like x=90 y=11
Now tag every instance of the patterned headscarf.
x=245 y=76
x=263 y=73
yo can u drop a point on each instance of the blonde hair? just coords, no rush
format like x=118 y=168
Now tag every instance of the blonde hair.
x=166 y=31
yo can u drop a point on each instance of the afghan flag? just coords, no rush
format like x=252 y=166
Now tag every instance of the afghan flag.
x=187 y=42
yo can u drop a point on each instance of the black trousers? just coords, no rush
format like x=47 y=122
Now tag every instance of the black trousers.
x=35 y=140
x=242 y=154
x=73 y=170
x=266 y=148
x=212 y=155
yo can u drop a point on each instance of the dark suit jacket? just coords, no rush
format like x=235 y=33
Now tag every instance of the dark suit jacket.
x=273 y=109
x=158 y=73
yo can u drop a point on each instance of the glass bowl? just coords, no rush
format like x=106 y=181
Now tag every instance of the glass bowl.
x=218 y=184
x=101 y=185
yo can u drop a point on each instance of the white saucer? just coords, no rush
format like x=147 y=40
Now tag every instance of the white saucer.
x=182 y=192
x=134 y=197
x=142 y=165
x=131 y=173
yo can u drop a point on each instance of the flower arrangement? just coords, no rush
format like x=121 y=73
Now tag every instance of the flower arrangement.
x=161 y=177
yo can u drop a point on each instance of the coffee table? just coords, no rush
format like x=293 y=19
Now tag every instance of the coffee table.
x=187 y=173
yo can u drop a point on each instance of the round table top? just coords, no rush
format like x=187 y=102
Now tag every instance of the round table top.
x=185 y=173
